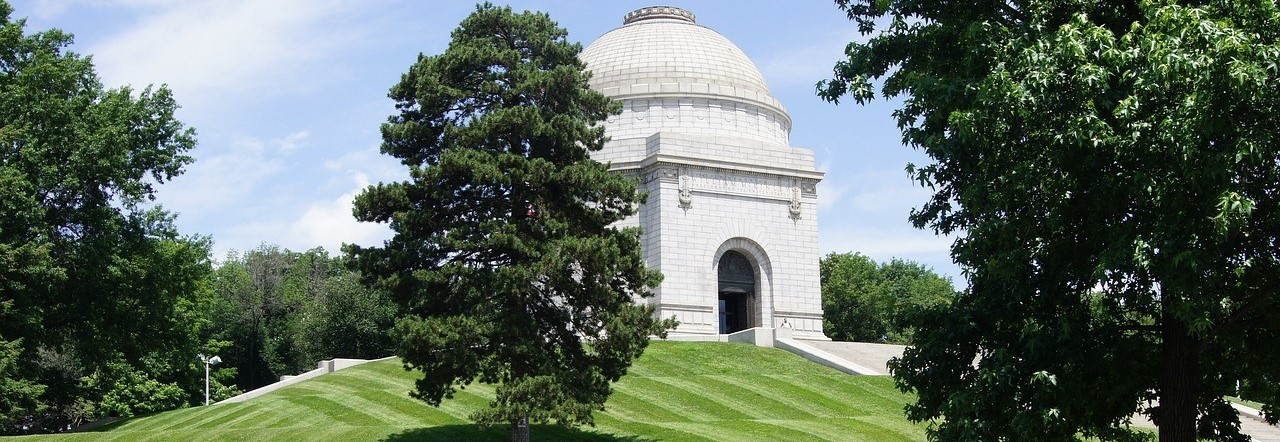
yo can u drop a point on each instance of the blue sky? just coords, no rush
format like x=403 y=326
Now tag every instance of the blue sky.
x=287 y=97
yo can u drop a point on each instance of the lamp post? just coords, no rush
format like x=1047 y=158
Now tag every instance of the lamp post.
x=207 y=362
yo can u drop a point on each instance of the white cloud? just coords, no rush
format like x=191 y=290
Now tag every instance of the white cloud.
x=887 y=243
x=370 y=163
x=50 y=8
x=329 y=224
x=326 y=223
x=872 y=219
x=293 y=141
x=208 y=50
x=830 y=193
x=297 y=219
x=880 y=192
x=883 y=243
x=225 y=176
x=805 y=65
x=890 y=197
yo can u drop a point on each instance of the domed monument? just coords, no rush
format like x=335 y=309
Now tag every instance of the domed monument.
x=731 y=219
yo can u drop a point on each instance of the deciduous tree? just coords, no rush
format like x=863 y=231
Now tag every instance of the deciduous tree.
x=505 y=256
x=851 y=305
x=868 y=302
x=282 y=311
x=1112 y=170
x=93 y=277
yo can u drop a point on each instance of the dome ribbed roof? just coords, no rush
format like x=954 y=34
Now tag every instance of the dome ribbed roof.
x=661 y=51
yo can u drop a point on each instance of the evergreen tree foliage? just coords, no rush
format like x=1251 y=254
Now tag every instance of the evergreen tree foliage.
x=504 y=255
x=1111 y=170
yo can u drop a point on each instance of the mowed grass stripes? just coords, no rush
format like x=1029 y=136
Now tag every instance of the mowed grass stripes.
x=677 y=391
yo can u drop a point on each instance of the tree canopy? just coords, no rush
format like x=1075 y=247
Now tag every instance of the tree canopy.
x=1112 y=172
x=100 y=297
x=867 y=302
x=281 y=311
x=504 y=254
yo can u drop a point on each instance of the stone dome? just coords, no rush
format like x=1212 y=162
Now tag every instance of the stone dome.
x=660 y=61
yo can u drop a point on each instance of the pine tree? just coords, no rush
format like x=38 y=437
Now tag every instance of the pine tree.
x=505 y=256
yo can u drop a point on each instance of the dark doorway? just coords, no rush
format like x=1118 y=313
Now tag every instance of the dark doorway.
x=737 y=292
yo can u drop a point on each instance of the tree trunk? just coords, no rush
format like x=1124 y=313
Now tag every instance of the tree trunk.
x=1178 y=375
x=520 y=429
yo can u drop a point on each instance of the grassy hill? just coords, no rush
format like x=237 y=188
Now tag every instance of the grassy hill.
x=677 y=391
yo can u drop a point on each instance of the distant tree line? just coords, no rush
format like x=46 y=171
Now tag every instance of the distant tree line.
x=282 y=311
x=868 y=302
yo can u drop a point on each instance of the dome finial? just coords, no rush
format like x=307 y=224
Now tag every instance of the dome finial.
x=653 y=12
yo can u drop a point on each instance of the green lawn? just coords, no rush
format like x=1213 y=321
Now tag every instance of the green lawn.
x=1250 y=404
x=677 y=391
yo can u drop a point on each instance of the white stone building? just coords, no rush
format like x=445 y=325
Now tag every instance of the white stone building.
x=731 y=218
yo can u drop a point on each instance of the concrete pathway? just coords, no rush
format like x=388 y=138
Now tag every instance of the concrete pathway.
x=1251 y=423
x=323 y=367
x=876 y=357
x=873 y=356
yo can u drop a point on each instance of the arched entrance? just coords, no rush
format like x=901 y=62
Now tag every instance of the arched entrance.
x=737 y=291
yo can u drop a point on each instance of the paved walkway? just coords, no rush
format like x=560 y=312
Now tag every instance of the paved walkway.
x=1253 y=426
x=876 y=356
x=1259 y=429
x=873 y=356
